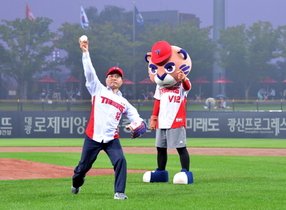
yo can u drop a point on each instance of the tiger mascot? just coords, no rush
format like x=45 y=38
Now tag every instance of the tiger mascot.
x=168 y=67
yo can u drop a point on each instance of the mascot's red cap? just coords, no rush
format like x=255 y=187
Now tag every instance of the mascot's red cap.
x=160 y=51
x=115 y=69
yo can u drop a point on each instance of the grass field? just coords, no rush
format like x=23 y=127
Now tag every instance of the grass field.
x=220 y=182
x=147 y=142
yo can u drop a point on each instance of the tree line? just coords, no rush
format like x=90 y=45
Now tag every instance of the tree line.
x=249 y=54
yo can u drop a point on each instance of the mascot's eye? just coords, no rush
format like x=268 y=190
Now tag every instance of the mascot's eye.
x=153 y=69
x=170 y=67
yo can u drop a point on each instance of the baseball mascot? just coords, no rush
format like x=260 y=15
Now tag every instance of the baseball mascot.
x=168 y=67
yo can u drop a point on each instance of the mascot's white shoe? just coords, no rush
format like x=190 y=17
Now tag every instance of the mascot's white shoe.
x=183 y=177
x=156 y=176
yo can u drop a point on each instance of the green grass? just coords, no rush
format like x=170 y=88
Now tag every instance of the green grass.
x=220 y=182
x=147 y=142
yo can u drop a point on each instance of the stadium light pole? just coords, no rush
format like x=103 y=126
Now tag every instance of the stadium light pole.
x=133 y=54
x=218 y=24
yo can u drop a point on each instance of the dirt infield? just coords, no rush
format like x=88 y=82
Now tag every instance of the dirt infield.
x=35 y=170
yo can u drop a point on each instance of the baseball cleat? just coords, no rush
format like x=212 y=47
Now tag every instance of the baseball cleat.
x=75 y=190
x=120 y=196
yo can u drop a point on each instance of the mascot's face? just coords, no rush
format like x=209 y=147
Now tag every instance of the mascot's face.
x=164 y=63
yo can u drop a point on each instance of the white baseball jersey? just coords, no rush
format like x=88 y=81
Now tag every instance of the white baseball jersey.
x=172 y=112
x=107 y=107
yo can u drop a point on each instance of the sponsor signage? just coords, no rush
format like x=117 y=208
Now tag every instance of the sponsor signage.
x=203 y=124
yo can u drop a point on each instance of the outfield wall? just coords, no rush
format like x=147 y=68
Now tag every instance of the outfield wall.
x=200 y=124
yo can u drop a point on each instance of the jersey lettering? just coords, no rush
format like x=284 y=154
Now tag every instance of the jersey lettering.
x=113 y=103
x=117 y=117
x=175 y=99
x=175 y=90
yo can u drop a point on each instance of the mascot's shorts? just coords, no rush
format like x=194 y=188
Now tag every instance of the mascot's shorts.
x=171 y=138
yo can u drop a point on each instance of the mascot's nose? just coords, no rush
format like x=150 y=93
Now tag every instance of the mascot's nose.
x=162 y=77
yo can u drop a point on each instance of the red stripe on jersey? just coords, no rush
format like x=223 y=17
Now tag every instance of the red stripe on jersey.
x=180 y=119
x=90 y=127
x=116 y=135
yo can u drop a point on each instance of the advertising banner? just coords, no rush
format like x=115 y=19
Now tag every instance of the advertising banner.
x=202 y=124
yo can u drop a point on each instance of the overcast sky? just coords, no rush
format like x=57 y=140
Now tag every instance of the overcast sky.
x=237 y=11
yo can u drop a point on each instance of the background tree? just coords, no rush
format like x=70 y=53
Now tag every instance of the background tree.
x=247 y=54
x=110 y=45
x=281 y=54
x=68 y=35
x=27 y=44
x=92 y=14
x=4 y=84
x=112 y=14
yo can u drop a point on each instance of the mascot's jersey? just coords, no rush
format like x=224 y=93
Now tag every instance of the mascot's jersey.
x=107 y=107
x=172 y=112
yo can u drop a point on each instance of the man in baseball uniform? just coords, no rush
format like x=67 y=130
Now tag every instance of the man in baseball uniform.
x=108 y=106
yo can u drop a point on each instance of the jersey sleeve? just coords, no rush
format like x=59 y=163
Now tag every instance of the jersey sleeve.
x=156 y=107
x=131 y=113
x=187 y=85
x=157 y=93
x=92 y=82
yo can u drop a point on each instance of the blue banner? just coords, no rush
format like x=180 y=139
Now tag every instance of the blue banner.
x=200 y=124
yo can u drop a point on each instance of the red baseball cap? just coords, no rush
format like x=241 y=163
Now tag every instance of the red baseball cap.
x=160 y=51
x=115 y=69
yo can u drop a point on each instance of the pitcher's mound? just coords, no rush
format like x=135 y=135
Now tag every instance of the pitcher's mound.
x=23 y=169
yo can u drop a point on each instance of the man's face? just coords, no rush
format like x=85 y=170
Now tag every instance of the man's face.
x=114 y=81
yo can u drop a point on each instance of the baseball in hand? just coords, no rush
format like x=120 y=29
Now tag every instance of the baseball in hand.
x=83 y=38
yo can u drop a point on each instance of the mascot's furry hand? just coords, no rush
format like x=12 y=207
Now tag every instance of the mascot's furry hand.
x=153 y=122
x=181 y=76
x=137 y=129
